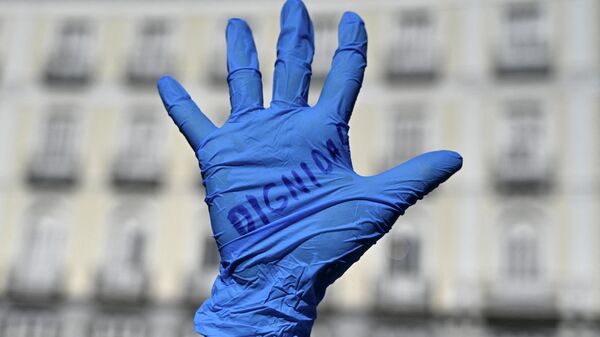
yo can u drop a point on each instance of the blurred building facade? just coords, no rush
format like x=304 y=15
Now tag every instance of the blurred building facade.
x=103 y=231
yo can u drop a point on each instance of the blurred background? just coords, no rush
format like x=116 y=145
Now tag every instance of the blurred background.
x=103 y=228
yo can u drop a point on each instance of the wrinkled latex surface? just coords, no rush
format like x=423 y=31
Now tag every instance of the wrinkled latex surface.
x=287 y=210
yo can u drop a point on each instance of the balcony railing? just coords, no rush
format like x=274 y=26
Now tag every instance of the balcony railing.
x=523 y=60
x=50 y=171
x=137 y=173
x=403 y=294
x=521 y=299
x=531 y=175
x=29 y=284
x=122 y=286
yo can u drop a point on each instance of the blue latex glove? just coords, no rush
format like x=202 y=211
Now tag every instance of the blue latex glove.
x=288 y=212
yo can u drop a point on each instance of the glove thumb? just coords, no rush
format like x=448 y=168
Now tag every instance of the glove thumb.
x=410 y=181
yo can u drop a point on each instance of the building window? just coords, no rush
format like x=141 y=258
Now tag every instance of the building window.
x=186 y=330
x=39 y=267
x=403 y=285
x=218 y=60
x=150 y=56
x=70 y=59
x=521 y=254
x=523 y=282
x=204 y=271
x=404 y=252
x=119 y=326
x=406 y=134
x=139 y=157
x=413 y=46
x=204 y=263
x=210 y=254
x=326 y=43
x=30 y=324
x=524 y=46
x=124 y=274
x=55 y=161
x=524 y=162
x=522 y=247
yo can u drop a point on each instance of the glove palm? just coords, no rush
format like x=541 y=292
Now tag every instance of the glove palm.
x=288 y=212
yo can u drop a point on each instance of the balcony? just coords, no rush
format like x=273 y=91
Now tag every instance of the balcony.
x=67 y=75
x=521 y=61
x=32 y=284
x=130 y=324
x=70 y=62
x=31 y=322
x=523 y=175
x=577 y=299
x=405 y=327
x=150 y=57
x=146 y=74
x=131 y=173
x=527 y=300
x=47 y=171
x=524 y=48
x=120 y=285
x=416 y=66
x=403 y=295
x=413 y=56
x=55 y=161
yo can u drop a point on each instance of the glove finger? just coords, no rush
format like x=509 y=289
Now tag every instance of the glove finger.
x=185 y=113
x=245 y=84
x=295 y=49
x=348 y=67
x=406 y=183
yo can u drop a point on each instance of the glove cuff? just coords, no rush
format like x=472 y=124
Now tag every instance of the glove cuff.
x=256 y=308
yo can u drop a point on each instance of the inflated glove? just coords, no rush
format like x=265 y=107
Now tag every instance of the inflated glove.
x=288 y=212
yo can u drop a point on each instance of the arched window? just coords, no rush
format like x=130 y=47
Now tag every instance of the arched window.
x=129 y=245
x=40 y=261
x=124 y=273
x=404 y=253
x=522 y=253
x=523 y=245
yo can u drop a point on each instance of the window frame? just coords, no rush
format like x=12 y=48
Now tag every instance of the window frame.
x=144 y=73
x=58 y=69
x=144 y=172
x=509 y=57
x=400 y=42
x=46 y=169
